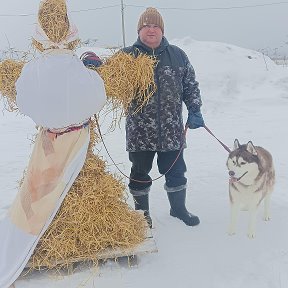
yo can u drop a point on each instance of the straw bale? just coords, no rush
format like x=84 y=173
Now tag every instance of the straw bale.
x=93 y=217
x=10 y=71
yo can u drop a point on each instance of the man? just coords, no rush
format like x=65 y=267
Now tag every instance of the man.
x=158 y=127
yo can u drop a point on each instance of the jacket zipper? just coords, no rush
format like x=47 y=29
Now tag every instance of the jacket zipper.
x=158 y=106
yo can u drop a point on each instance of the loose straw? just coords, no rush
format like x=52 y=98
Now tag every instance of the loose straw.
x=128 y=81
x=10 y=71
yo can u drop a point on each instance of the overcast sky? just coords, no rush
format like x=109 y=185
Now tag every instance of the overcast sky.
x=261 y=27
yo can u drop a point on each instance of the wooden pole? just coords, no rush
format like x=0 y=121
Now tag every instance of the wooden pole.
x=123 y=23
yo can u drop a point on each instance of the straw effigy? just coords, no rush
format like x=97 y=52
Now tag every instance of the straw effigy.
x=94 y=217
x=10 y=71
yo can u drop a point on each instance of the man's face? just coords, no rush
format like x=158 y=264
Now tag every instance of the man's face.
x=151 y=35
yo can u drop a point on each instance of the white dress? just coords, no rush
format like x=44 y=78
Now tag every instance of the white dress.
x=56 y=90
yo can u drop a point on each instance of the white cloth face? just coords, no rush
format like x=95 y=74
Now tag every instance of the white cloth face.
x=56 y=90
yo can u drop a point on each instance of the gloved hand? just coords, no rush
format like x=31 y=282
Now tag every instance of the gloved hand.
x=195 y=120
x=89 y=59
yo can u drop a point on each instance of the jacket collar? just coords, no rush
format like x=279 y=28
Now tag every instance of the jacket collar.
x=142 y=47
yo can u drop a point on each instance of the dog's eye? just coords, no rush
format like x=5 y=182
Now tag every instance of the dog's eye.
x=242 y=163
x=234 y=162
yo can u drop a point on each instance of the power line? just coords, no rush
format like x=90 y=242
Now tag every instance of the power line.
x=16 y=15
x=162 y=8
x=72 y=11
x=213 y=8
x=93 y=9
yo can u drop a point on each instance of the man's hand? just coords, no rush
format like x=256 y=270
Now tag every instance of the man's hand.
x=90 y=59
x=195 y=120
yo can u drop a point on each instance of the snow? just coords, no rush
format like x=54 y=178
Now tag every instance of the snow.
x=245 y=96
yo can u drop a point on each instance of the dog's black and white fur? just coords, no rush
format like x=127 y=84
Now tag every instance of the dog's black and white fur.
x=252 y=179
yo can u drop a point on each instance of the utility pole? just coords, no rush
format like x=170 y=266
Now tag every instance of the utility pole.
x=123 y=24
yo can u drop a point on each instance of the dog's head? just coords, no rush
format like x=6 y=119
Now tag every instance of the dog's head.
x=243 y=163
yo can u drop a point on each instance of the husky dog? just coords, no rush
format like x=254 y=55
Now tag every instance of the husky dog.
x=252 y=178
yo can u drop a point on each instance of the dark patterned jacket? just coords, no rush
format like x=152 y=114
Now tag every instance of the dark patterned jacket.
x=159 y=125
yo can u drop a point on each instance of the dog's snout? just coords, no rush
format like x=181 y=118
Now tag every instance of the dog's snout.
x=231 y=173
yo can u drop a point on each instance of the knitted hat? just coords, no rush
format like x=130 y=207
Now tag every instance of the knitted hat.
x=150 y=16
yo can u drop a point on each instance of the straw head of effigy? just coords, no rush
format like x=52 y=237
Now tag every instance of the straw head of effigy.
x=53 y=19
x=52 y=16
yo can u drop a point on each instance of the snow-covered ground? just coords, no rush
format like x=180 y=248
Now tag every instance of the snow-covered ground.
x=245 y=96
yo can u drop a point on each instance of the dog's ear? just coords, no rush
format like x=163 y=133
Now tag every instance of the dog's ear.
x=236 y=144
x=251 y=148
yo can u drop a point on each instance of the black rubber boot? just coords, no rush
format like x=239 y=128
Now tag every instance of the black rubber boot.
x=178 y=208
x=142 y=203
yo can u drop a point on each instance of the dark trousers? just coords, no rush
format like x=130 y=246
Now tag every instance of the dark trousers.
x=142 y=164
